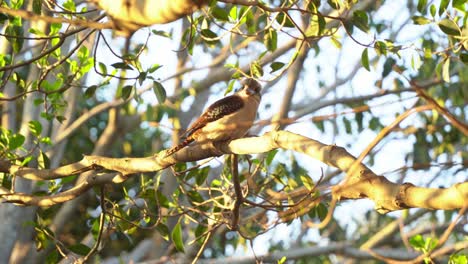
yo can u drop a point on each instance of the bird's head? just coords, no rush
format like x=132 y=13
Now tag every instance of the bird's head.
x=251 y=86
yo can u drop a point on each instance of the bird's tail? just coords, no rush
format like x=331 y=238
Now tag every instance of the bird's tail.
x=179 y=147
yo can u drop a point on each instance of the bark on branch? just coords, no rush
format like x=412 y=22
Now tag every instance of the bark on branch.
x=387 y=196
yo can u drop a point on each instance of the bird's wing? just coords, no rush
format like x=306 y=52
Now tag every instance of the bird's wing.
x=217 y=110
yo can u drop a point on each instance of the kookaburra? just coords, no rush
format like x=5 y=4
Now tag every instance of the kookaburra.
x=226 y=119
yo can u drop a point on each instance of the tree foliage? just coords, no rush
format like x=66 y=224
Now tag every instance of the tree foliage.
x=91 y=95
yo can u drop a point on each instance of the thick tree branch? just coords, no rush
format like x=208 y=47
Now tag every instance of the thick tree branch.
x=387 y=196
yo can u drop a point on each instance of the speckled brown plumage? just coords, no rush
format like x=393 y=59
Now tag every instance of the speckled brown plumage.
x=226 y=119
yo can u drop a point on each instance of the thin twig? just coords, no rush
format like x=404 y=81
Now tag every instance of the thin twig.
x=101 y=228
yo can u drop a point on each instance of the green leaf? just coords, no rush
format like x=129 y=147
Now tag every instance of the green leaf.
x=416 y=62
x=420 y=20
x=271 y=40
x=16 y=4
x=446 y=70
x=336 y=42
x=200 y=231
x=320 y=125
x=90 y=91
x=282 y=260
x=16 y=40
x=161 y=33
x=335 y=4
x=464 y=57
x=317 y=25
x=70 y=5
x=443 y=6
x=177 y=239
x=458 y=259
x=122 y=66
x=347 y=125
x=276 y=66
x=388 y=66
x=43 y=160
x=163 y=231
x=220 y=13
x=35 y=127
x=195 y=196
x=433 y=10
x=159 y=91
x=251 y=22
x=79 y=249
x=16 y=141
x=449 y=27
x=417 y=242
x=307 y=181
x=459 y=4
x=270 y=156
x=322 y=211
x=209 y=36
x=361 y=20
x=380 y=47
x=365 y=59
x=422 y=5
x=55 y=28
x=202 y=175
x=52 y=258
x=284 y=20
x=359 y=118
x=37 y=7
x=430 y=243
x=230 y=87
x=233 y=13
x=103 y=68
x=154 y=68
x=126 y=91
x=256 y=69
x=374 y=124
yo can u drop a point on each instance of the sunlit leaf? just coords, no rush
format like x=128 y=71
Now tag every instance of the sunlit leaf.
x=35 y=127
x=159 y=91
x=271 y=40
x=443 y=6
x=177 y=238
x=365 y=59
x=256 y=69
x=270 y=156
x=43 y=160
x=161 y=33
x=449 y=27
x=284 y=20
x=422 y=5
x=446 y=70
x=16 y=141
x=420 y=20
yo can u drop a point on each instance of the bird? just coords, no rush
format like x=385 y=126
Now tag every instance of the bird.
x=226 y=119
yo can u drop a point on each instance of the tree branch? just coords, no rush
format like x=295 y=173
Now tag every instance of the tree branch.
x=387 y=196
